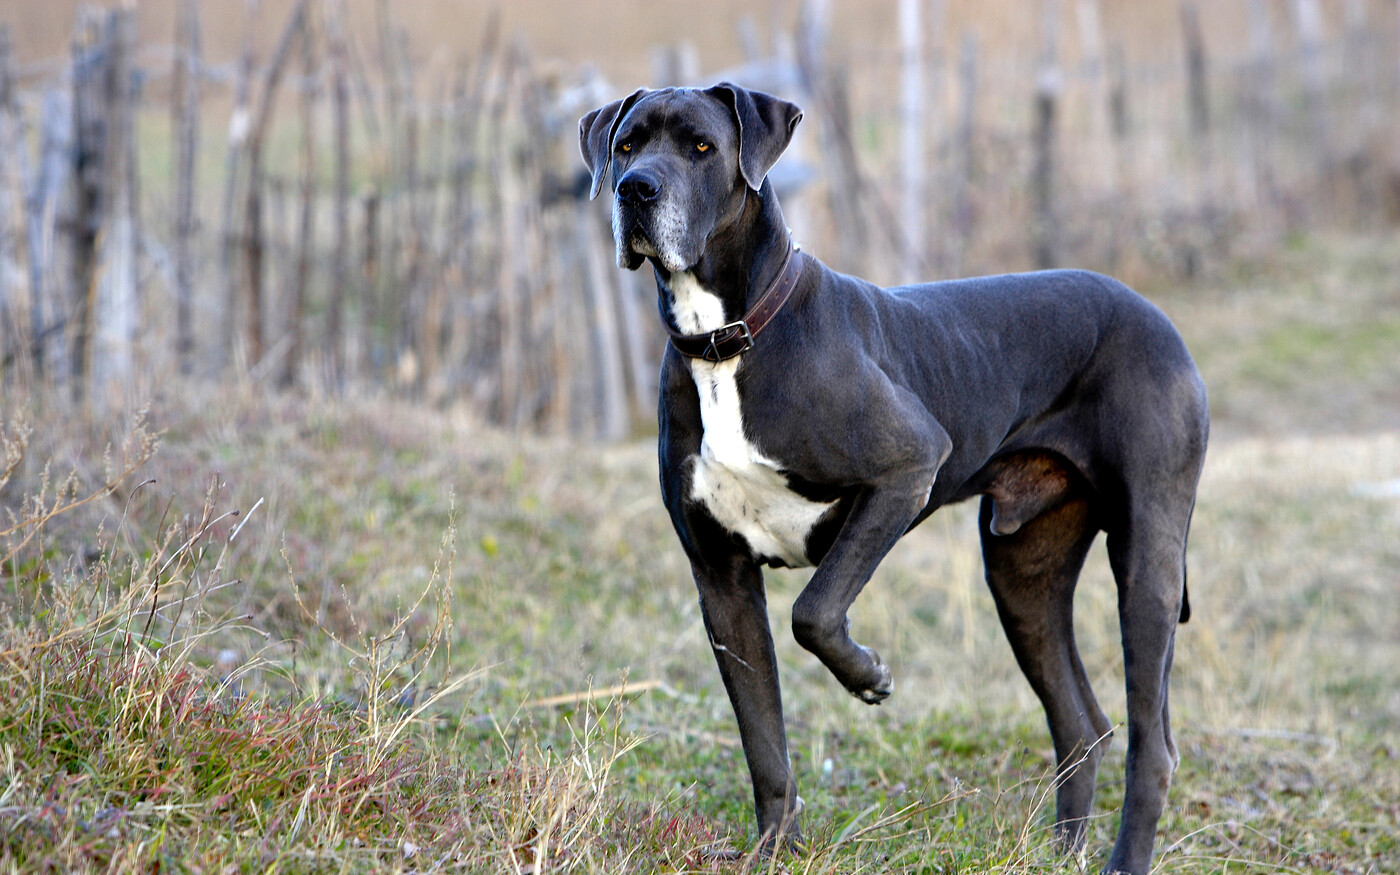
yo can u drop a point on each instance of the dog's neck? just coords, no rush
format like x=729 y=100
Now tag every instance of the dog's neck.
x=741 y=260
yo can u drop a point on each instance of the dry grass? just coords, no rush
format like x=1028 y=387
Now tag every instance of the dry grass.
x=347 y=674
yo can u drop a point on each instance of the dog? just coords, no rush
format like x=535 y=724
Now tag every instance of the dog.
x=810 y=419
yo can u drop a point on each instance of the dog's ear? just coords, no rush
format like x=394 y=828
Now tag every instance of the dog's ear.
x=595 y=136
x=765 y=124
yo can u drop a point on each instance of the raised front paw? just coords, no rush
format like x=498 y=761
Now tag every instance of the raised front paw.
x=881 y=682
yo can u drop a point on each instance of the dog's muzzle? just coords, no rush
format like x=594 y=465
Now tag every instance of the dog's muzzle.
x=652 y=228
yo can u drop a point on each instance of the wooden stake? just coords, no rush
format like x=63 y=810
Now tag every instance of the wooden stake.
x=306 y=226
x=253 y=242
x=913 y=146
x=238 y=127
x=1047 y=91
x=340 y=257
x=963 y=152
x=185 y=109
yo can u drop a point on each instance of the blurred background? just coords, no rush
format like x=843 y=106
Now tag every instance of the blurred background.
x=359 y=195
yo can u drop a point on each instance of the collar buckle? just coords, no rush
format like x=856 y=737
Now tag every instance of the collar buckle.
x=712 y=352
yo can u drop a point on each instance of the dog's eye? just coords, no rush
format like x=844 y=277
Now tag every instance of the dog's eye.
x=624 y=147
x=702 y=146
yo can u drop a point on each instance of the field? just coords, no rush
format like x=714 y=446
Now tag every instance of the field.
x=425 y=645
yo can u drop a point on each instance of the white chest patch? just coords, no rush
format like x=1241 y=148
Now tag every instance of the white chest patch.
x=745 y=491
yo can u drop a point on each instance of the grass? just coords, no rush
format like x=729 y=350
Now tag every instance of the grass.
x=282 y=634
x=1304 y=341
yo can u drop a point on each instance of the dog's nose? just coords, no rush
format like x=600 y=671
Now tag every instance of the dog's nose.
x=639 y=187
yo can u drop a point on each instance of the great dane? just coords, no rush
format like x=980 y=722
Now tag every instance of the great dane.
x=808 y=418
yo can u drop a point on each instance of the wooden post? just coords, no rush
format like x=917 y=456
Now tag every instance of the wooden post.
x=12 y=334
x=369 y=270
x=1361 y=45
x=432 y=255
x=47 y=191
x=459 y=159
x=89 y=149
x=22 y=220
x=913 y=147
x=510 y=340
x=306 y=226
x=239 y=122
x=1119 y=122
x=1197 y=95
x=1094 y=145
x=1199 y=130
x=470 y=256
x=1261 y=115
x=408 y=238
x=185 y=123
x=931 y=253
x=1307 y=19
x=1047 y=91
x=640 y=333
x=118 y=312
x=607 y=346
x=1124 y=144
x=1120 y=143
x=1364 y=85
x=828 y=87
x=104 y=212
x=392 y=202
x=254 y=242
x=340 y=257
x=545 y=379
x=963 y=151
x=469 y=107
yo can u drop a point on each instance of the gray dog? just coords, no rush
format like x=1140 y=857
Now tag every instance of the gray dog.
x=809 y=418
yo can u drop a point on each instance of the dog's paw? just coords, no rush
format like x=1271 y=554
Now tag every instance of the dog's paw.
x=883 y=685
x=783 y=836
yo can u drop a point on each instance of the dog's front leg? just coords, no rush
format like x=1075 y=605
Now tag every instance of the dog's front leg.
x=878 y=519
x=901 y=451
x=735 y=609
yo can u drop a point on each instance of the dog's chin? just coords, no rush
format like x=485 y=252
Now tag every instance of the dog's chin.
x=633 y=250
x=637 y=248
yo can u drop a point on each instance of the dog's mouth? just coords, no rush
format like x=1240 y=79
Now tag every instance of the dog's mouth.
x=634 y=239
x=638 y=243
x=655 y=233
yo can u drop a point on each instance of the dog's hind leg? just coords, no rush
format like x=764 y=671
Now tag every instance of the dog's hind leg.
x=1147 y=560
x=1032 y=574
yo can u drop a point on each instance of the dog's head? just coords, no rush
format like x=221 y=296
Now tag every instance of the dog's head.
x=680 y=162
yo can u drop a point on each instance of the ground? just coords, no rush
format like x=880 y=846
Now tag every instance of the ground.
x=404 y=651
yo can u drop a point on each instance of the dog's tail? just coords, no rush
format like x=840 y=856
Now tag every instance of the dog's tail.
x=1185 y=597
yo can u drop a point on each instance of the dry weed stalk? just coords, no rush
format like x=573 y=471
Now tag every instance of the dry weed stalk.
x=550 y=809
x=42 y=506
x=388 y=665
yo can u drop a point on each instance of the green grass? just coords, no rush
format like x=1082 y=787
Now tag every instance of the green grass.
x=401 y=653
x=1305 y=341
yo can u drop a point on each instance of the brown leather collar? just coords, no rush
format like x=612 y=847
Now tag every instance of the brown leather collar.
x=737 y=338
